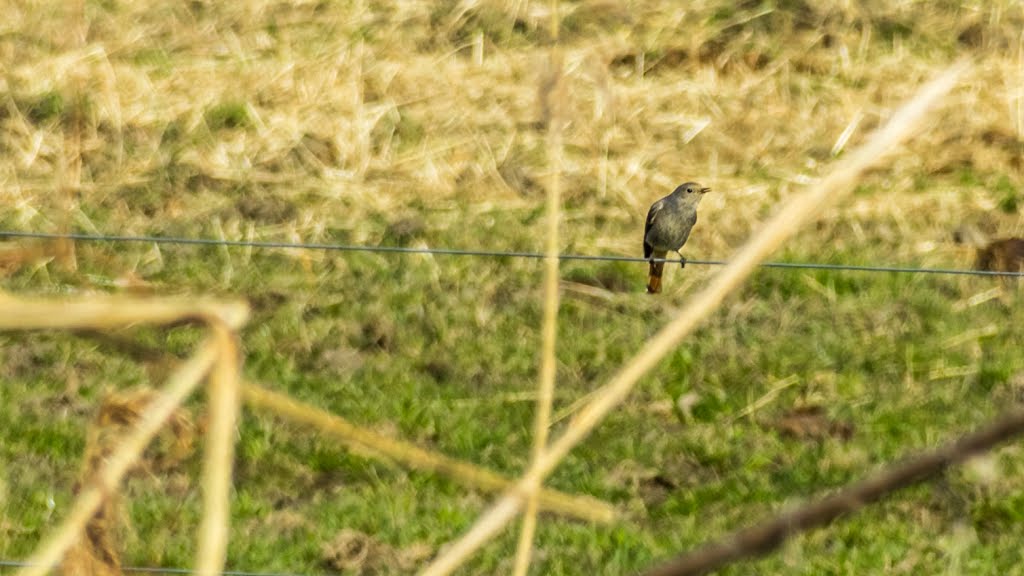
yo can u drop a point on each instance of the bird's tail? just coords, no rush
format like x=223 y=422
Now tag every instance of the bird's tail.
x=654 y=277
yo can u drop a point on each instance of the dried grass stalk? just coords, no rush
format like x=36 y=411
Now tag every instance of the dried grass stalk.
x=98 y=553
x=95 y=493
x=583 y=507
x=778 y=229
x=104 y=312
x=549 y=330
x=220 y=448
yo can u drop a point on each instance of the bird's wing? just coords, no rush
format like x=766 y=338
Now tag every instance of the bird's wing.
x=655 y=208
x=691 y=219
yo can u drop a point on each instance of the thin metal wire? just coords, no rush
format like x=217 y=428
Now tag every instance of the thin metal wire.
x=155 y=570
x=482 y=253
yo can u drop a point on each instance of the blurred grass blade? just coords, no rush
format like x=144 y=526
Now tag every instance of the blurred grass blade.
x=780 y=227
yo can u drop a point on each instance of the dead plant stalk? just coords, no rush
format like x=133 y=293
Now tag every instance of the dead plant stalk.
x=384 y=448
x=762 y=538
x=224 y=406
x=549 y=330
x=781 y=226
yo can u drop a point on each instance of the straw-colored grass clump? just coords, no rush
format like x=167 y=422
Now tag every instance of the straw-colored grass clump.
x=188 y=110
x=439 y=124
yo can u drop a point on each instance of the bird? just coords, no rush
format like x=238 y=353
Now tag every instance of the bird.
x=668 y=226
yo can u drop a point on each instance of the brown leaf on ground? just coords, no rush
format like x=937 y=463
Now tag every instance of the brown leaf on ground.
x=811 y=423
x=352 y=550
x=656 y=489
x=652 y=485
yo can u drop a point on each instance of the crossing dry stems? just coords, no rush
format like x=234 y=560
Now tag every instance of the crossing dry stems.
x=373 y=444
x=220 y=355
x=217 y=358
x=780 y=227
x=217 y=353
x=313 y=135
x=98 y=551
x=180 y=384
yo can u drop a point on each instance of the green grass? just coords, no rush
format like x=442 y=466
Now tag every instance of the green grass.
x=314 y=122
x=867 y=357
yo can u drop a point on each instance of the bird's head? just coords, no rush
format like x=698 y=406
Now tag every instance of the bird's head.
x=691 y=192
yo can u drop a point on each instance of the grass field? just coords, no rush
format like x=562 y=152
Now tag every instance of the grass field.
x=417 y=124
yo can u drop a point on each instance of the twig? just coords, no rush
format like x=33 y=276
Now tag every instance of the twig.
x=775 y=232
x=767 y=398
x=573 y=407
x=763 y=538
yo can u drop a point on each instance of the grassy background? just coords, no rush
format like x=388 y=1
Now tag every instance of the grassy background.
x=417 y=123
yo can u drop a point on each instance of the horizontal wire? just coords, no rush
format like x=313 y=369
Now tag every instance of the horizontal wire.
x=483 y=253
x=155 y=570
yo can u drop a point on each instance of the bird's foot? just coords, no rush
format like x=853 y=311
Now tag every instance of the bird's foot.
x=682 y=260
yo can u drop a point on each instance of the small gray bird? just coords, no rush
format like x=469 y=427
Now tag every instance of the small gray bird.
x=668 y=226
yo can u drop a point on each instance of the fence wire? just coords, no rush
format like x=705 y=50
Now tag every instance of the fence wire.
x=262 y=244
x=157 y=570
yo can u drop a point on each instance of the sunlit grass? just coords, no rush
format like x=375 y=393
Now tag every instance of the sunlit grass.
x=415 y=123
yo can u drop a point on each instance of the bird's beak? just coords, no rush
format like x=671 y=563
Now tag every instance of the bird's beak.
x=705 y=190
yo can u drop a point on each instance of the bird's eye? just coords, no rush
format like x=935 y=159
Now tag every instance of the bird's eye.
x=689 y=190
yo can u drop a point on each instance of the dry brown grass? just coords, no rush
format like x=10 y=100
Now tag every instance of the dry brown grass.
x=266 y=119
x=128 y=451
x=370 y=127
x=781 y=226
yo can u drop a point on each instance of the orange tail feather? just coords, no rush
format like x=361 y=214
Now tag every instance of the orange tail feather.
x=654 y=278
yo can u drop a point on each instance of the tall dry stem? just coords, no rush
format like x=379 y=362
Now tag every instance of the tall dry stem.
x=780 y=227
x=106 y=312
x=549 y=331
x=379 y=446
x=224 y=397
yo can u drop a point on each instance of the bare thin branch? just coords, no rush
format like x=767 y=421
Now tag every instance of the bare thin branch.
x=781 y=226
x=763 y=538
